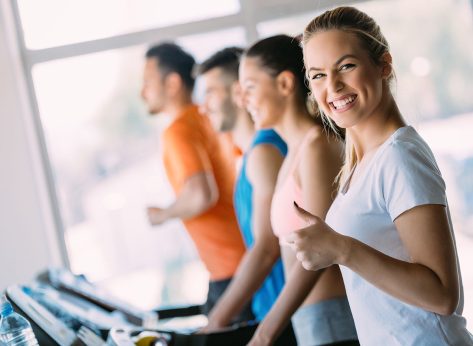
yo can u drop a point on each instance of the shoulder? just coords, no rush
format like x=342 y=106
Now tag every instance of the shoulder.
x=263 y=154
x=269 y=136
x=263 y=162
x=322 y=148
x=320 y=162
x=407 y=174
x=180 y=129
x=408 y=151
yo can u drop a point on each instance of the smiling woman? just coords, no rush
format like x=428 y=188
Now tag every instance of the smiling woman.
x=346 y=80
x=80 y=123
x=389 y=228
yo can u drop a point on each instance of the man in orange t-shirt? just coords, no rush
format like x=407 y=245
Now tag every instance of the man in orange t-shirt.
x=199 y=167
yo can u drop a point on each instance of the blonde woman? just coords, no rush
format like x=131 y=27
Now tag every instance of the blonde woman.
x=389 y=228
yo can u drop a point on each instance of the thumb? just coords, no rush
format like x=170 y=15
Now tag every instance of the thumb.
x=305 y=215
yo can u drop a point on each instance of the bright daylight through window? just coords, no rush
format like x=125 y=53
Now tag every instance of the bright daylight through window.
x=105 y=153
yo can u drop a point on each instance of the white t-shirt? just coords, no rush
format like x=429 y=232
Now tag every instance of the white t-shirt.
x=401 y=175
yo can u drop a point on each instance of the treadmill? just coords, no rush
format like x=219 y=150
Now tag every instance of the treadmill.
x=59 y=303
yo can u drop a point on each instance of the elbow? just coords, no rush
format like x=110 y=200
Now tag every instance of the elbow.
x=212 y=198
x=446 y=310
x=270 y=253
x=448 y=307
x=207 y=198
x=448 y=304
x=273 y=253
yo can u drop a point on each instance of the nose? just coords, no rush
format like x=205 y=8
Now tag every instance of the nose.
x=335 y=83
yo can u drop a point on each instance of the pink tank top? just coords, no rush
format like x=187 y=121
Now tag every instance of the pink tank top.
x=284 y=219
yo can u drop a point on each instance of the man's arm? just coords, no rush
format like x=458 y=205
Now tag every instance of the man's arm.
x=263 y=166
x=198 y=194
x=189 y=170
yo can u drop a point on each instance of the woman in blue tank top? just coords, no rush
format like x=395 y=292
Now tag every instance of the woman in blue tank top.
x=264 y=298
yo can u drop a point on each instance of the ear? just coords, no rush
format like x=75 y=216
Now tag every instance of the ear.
x=173 y=83
x=236 y=93
x=387 y=67
x=286 y=82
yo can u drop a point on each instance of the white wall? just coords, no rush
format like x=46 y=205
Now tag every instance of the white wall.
x=28 y=239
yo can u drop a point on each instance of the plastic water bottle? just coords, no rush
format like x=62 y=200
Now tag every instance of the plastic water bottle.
x=15 y=330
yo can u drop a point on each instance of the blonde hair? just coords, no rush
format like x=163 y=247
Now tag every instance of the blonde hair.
x=351 y=20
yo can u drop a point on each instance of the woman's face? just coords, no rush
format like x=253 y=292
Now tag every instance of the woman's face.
x=344 y=81
x=260 y=93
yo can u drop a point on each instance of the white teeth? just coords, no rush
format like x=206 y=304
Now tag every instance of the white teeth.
x=340 y=103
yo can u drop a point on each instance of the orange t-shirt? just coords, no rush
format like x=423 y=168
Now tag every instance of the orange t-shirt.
x=191 y=146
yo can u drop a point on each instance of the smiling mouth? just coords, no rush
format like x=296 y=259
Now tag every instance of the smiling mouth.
x=344 y=103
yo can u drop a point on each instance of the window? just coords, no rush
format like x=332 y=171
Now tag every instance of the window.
x=293 y=25
x=104 y=148
x=204 y=45
x=51 y=23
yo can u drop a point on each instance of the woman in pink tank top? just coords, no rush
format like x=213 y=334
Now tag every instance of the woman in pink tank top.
x=272 y=76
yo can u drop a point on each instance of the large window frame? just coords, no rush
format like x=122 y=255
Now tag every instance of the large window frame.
x=250 y=15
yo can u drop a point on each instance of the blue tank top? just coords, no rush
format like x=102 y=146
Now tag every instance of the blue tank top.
x=264 y=298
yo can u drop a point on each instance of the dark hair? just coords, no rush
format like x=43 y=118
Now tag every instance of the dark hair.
x=172 y=58
x=282 y=53
x=228 y=59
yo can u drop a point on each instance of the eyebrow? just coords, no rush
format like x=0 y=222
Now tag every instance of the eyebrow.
x=336 y=62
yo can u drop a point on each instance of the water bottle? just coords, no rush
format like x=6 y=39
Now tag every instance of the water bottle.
x=15 y=330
